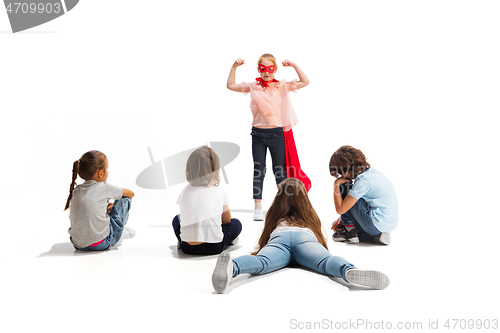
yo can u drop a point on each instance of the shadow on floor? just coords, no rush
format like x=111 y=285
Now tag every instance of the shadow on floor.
x=177 y=253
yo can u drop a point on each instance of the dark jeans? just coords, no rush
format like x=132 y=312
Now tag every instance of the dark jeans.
x=359 y=216
x=118 y=217
x=262 y=139
x=230 y=231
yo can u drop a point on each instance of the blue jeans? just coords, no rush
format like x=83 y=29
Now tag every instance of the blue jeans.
x=230 y=231
x=118 y=217
x=262 y=139
x=292 y=247
x=359 y=216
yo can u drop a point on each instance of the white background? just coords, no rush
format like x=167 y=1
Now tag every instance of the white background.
x=413 y=84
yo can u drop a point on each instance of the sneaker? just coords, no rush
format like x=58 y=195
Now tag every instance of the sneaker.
x=384 y=239
x=258 y=215
x=223 y=272
x=343 y=235
x=369 y=279
x=128 y=233
x=235 y=241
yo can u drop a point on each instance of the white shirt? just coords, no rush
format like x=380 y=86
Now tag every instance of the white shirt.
x=201 y=213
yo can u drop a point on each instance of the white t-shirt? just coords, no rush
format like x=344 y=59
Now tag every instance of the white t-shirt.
x=201 y=213
x=87 y=212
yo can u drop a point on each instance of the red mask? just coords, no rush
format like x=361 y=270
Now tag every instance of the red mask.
x=269 y=69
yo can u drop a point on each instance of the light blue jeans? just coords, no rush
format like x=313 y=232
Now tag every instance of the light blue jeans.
x=118 y=217
x=288 y=248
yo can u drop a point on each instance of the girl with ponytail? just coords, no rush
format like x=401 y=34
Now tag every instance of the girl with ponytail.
x=204 y=225
x=96 y=223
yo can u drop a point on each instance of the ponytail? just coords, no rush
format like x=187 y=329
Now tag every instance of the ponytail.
x=86 y=167
x=76 y=167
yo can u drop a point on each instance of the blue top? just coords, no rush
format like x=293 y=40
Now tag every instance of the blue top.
x=377 y=191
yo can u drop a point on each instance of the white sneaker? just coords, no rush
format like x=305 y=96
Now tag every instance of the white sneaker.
x=258 y=215
x=369 y=279
x=128 y=233
x=235 y=241
x=223 y=272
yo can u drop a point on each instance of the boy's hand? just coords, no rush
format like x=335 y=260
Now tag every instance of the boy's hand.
x=110 y=205
x=239 y=62
x=288 y=63
x=337 y=225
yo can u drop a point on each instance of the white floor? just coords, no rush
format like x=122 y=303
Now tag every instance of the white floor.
x=146 y=284
x=413 y=85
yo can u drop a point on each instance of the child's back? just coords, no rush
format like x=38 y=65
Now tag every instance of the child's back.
x=96 y=224
x=204 y=225
x=201 y=211
x=378 y=192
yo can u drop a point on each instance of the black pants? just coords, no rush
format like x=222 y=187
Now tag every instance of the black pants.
x=262 y=139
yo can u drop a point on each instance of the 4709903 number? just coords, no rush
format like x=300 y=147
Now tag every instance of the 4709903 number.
x=471 y=324
x=32 y=8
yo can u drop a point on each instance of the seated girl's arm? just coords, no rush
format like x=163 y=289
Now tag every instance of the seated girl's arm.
x=226 y=215
x=231 y=85
x=128 y=193
x=303 y=80
x=342 y=206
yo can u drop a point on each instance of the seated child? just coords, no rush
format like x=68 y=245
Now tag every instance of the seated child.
x=292 y=236
x=96 y=224
x=204 y=225
x=369 y=207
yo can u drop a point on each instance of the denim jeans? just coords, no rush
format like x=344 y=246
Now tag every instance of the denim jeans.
x=262 y=139
x=230 y=231
x=292 y=247
x=359 y=216
x=118 y=217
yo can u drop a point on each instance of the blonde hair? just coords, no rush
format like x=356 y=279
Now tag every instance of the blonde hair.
x=270 y=57
x=202 y=167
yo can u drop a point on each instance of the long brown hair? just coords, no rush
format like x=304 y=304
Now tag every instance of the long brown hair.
x=292 y=205
x=86 y=167
x=202 y=167
x=348 y=158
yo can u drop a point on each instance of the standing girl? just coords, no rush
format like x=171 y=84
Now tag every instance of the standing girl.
x=96 y=224
x=273 y=118
x=204 y=225
x=292 y=234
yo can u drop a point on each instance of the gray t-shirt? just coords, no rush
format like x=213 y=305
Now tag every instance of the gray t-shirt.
x=89 y=221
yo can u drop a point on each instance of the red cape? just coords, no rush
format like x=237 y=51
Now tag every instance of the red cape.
x=292 y=161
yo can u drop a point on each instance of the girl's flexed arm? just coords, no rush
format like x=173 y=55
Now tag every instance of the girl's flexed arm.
x=303 y=80
x=231 y=85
